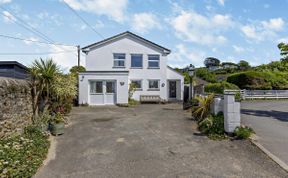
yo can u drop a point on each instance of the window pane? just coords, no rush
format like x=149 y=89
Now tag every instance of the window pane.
x=154 y=84
x=119 y=56
x=153 y=60
x=137 y=83
x=153 y=57
x=119 y=60
x=99 y=87
x=110 y=87
x=153 y=63
x=136 y=60
x=92 y=87
x=119 y=63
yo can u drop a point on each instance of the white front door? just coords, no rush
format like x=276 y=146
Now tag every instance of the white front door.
x=102 y=92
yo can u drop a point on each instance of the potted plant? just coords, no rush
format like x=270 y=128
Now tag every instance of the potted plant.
x=57 y=124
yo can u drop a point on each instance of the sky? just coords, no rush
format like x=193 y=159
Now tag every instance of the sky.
x=230 y=30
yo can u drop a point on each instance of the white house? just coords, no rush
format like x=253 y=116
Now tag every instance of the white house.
x=112 y=64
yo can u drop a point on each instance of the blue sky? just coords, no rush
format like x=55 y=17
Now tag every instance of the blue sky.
x=230 y=30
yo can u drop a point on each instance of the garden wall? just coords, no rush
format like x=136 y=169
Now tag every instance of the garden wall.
x=15 y=106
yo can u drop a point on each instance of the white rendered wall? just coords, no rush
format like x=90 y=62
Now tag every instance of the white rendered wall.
x=121 y=90
x=101 y=59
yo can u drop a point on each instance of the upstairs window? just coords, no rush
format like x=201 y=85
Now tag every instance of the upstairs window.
x=153 y=61
x=136 y=60
x=119 y=60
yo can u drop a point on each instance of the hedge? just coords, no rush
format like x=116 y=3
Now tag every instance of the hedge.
x=220 y=87
x=254 y=80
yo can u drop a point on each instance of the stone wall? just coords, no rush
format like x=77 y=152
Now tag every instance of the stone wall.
x=15 y=106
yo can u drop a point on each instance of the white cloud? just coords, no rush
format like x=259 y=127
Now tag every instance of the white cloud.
x=221 y=2
x=65 y=56
x=184 y=56
x=143 y=22
x=7 y=17
x=238 y=49
x=5 y=1
x=283 y=40
x=276 y=24
x=197 y=28
x=263 y=30
x=110 y=8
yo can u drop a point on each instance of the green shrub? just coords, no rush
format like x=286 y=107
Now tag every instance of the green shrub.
x=213 y=126
x=243 y=132
x=219 y=88
x=259 y=80
x=204 y=74
x=132 y=102
x=21 y=156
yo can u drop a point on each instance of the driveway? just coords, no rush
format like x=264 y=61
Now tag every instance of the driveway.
x=149 y=141
x=269 y=119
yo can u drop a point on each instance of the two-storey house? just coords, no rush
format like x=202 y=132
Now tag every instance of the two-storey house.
x=114 y=63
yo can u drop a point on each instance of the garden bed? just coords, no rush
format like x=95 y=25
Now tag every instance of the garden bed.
x=22 y=155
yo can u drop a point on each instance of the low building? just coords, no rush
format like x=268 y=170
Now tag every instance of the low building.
x=13 y=69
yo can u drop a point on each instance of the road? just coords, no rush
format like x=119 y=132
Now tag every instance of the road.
x=269 y=119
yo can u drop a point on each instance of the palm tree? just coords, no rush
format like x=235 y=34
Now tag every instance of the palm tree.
x=42 y=74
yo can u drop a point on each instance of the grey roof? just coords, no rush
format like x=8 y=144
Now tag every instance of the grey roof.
x=165 y=50
x=13 y=63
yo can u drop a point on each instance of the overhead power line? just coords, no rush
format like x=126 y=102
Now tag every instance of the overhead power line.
x=40 y=53
x=83 y=20
x=30 y=28
x=26 y=25
x=34 y=41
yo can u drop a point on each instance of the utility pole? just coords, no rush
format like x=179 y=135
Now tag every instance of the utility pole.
x=78 y=51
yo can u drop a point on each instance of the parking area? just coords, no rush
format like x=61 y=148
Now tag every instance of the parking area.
x=149 y=141
x=269 y=119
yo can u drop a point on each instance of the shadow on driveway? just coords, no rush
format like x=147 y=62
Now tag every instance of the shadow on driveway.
x=279 y=115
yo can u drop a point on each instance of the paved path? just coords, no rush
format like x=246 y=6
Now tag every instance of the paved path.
x=269 y=119
x=149 y=141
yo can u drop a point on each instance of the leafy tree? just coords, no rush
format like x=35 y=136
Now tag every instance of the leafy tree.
x=76 y=69
x=244 y=65
x=42 y=74
x=211 y=61
x=283 y=51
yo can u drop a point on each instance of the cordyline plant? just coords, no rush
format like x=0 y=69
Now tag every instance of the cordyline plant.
x=42 y=73
x=203 y=110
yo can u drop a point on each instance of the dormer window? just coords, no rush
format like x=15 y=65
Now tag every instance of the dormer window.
x=153 y=61
x=119 y=60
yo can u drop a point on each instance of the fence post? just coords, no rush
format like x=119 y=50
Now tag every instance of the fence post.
x=231 y=113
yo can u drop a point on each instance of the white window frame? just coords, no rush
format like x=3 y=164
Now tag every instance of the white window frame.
x=116 y=59
x=141 y=61
x=153 y=89
x=113 y=81
x=153 y=60
x=96 y=93
x=137 y=89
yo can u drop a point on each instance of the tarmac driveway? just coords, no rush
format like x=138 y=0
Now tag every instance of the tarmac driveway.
x=149 y=141
x=269 y=119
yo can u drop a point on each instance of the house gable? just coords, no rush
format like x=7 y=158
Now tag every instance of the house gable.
x=128 y=35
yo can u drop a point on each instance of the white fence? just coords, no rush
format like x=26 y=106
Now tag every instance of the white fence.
x=260 y=94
